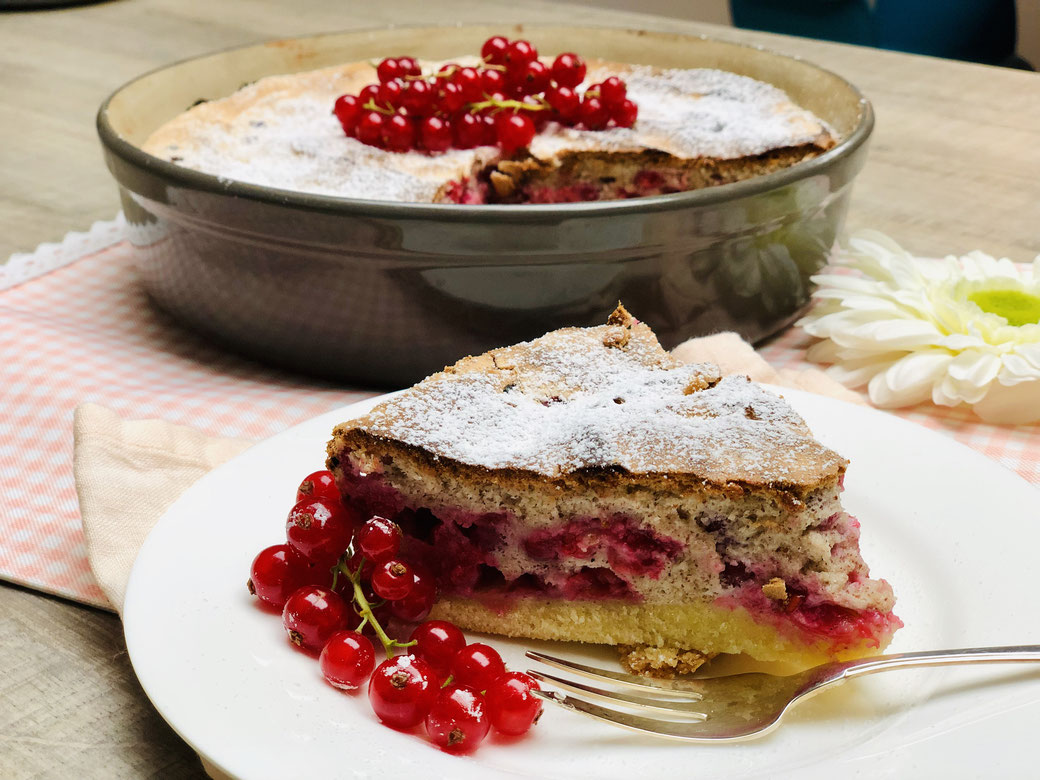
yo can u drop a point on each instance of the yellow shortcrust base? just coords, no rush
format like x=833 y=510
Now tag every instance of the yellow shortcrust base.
x=702 y=627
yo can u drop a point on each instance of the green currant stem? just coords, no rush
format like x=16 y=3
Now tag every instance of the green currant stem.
x=371 y=106
x=364 y=609
x=518 y=105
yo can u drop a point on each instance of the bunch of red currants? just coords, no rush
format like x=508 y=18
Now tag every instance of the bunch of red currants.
x=504 y=101
x=337 y=581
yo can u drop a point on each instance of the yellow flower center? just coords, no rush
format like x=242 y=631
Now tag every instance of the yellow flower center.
x=1017 y=307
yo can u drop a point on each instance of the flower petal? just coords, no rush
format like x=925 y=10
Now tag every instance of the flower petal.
x=1015 y=405
x=888 y=335
x=974 y=368
x=909 y=380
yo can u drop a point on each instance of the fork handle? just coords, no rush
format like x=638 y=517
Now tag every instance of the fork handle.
x=967 y=655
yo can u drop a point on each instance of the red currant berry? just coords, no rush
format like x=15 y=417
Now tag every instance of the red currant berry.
x=518 y=55
x=534 y=79
x=625 y=114
x=347 y=109
x=320 y=529
x=511 y=706
x=402 y=690
x=568 y=70
x=565 y=102
x=321 y=484
x=379 y=539
x=612 y=92
x=435 y=134
x=399 y=133
x=490 y=135
x=276 y=572
x=408 y=66
x=469 y=131
x=390 y=94
x=492 y=81
x=369 y=94
x=347 y=660
x=494 y=50
x=418 y=98
x=414 y=607
x=514 y=131
x=477 y=665
x=370 y=128
x=437 y=642
x=311 y=615
x=593 y=114
x=458 y=721
x=469 y=81
x=392 y=580
x=449 y=98
x=388 y=70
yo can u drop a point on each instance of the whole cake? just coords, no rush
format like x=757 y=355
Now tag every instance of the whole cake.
x=587 y=486
x=679 y=130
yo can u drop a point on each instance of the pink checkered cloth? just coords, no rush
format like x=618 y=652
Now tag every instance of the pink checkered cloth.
x=86 y=332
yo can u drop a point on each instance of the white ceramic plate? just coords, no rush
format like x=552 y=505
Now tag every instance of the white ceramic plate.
x=955 y=534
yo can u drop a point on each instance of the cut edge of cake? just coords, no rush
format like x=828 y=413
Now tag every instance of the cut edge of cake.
x=588 y=486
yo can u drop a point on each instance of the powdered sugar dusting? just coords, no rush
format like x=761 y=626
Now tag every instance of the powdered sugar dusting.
x=695 y=113
x=567 y=402
x=296 y=143
x=280 y=132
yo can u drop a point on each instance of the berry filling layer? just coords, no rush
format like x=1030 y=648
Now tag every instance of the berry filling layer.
x=491 y=557
x=486 y=556
x=569 y=185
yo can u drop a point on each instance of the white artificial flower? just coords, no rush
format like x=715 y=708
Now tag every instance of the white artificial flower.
x=959 y=330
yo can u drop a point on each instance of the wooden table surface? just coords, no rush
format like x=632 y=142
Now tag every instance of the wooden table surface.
x=954 y=165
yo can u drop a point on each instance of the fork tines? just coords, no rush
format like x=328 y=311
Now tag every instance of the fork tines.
x=678 y=698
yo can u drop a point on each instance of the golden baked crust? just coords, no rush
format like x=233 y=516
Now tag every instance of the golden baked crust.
x=666 y=627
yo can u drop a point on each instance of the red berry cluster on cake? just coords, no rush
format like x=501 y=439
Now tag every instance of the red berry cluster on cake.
x=340 y=584
x=502 y=126
x=502 y=101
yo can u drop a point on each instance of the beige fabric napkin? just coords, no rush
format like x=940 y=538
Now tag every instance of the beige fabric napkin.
x=129 y=471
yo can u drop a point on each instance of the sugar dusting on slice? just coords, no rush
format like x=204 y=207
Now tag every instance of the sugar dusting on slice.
x=280 y=132
x=567 y=401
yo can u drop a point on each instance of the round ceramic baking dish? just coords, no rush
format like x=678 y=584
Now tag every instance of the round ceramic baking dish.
x=385 y=293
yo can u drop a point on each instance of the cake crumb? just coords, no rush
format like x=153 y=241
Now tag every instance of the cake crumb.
x=504 y=185
x=617 y=338
x=775 y=589
x=620 y=316
x=661 y=662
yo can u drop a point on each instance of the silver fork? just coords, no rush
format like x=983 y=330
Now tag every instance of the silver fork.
x=740 y=706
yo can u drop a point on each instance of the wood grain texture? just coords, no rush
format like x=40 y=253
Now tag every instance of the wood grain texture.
x=71 y=706
x=954 y=165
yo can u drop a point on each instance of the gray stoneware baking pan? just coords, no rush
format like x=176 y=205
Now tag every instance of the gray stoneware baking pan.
x=385 y=293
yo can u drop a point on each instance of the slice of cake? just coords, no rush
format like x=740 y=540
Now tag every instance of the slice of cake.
x=587 y=486
x=696 y=128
